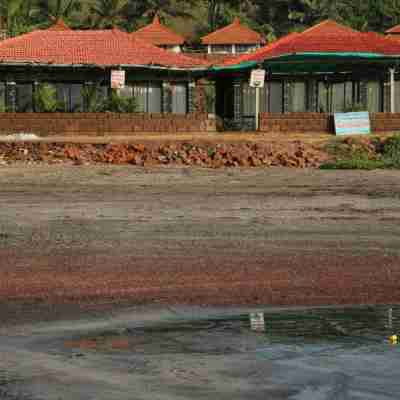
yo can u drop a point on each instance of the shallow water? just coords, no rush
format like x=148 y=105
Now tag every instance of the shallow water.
x=347 y=328
x=315 y=354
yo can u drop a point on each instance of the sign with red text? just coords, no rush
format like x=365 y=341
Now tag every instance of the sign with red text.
x=257 y=79
x=117 y=79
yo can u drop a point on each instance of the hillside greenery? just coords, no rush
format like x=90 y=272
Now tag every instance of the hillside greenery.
x=194 y=18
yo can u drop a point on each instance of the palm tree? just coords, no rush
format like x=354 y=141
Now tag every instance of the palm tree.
x=16 y=15
x=50 y=10
x=109 y=13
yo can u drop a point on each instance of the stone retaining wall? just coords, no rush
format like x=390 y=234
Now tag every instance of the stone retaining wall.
x=321 y=123
x=102 y=123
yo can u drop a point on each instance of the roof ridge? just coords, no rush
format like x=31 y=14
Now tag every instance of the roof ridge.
x=234 y=27
x=59 y=25
x=328 y=22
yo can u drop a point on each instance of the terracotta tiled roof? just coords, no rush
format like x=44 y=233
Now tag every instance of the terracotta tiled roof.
x=394 y=30
x=89 y=47
x=159 y=35
x=235 y=33
x=326 y=37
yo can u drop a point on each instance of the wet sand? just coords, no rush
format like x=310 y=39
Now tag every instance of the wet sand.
x=92 y=239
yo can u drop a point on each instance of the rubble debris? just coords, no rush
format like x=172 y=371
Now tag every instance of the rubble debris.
x=209 y=155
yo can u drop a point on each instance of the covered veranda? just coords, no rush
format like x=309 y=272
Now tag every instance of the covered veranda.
x=301 y=79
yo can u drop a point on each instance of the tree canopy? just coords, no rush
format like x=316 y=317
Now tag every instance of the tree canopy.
x=273 y=18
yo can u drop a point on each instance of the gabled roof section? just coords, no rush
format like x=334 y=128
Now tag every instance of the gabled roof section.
x=326 y=37
x=59 y=25
x=235 y=33
x=90 y=47
x=159 y=35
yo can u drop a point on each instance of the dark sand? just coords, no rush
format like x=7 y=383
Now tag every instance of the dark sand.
x=79 y=240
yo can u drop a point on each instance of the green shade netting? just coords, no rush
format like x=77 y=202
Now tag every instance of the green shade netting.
x=313 y=62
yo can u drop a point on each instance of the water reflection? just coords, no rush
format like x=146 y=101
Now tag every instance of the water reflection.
x=257 y=322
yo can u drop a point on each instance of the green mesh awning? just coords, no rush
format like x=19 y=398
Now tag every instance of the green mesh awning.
x=314 y=62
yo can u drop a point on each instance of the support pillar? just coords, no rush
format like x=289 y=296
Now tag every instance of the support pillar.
x=192 y=104
x=166 y=97
x=392 y=91
x=237 y=105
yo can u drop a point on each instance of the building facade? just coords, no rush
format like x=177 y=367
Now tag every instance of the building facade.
x=235 y=38
x=75 y=67
x=161 y=36
x=326 y=69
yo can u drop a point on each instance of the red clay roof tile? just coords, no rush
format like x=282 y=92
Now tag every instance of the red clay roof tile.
x=235 y=33
x=327 y=36
x=159 y=35
x=89 y=47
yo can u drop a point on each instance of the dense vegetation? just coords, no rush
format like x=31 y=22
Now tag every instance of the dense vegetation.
x=364 y=153
x=196 y=17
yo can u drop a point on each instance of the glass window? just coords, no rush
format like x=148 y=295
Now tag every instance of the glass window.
x=179 y=98
x=249 y=99
x=24 y=97
x=148 y=97
x=140 y=93
x=69 y=97
x=298 y=97
x=276 y=97
x=2 y=97
x=374 y=96
x=76 y=99
x=154 y=98
x=397 y=96
x=245 y=48
x=323 y=97
x=338 y=98
x=221 y=48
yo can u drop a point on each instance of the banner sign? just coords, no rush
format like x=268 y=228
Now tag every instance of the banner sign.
x=117 y=79
x=354 y=123
x=257 y=79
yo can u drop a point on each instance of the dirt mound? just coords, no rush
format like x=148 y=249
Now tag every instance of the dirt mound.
x=295 y=154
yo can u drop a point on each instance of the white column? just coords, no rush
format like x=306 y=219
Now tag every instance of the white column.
x=234 y=49
x=392 y=91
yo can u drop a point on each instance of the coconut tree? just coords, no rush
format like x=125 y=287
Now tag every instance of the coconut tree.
x=16 y=15
x=53 y=10
x=109 y=13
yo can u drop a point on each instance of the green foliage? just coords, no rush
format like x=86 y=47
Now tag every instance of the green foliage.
x=356 y=162
x=272 y=18
x=391 y=151
x=119 y=104
x=45 y=98
x=368 y=155
x=92 y=100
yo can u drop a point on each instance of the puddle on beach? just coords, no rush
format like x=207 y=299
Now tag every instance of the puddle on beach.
x=366 y=328
x=314 y=354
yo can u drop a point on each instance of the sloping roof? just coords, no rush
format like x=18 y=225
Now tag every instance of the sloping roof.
x=326 y=37
x=159 y=35
x=89 y=47
x=235 y=33
x=394 y=30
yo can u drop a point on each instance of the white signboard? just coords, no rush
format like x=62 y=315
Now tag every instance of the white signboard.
x=257 y=79
x=355 y=123
x=117 y=79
